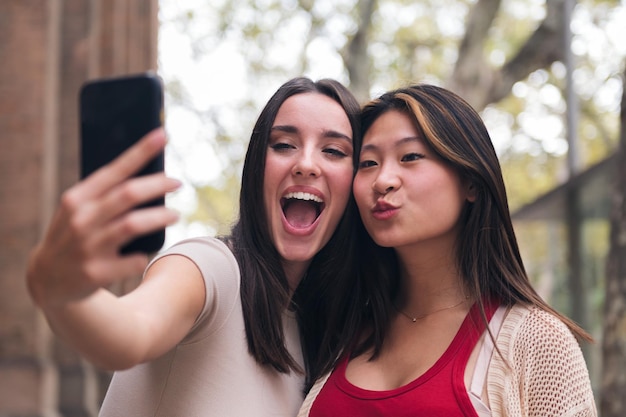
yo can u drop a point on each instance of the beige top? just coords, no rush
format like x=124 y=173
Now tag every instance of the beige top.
x=210 y=372
x=546 y=373
x=549 y=376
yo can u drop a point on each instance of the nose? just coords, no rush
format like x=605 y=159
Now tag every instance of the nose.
x=385 y=182
x=307 y=165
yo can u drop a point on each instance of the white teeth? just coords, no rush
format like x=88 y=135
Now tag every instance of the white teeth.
x=304 y=196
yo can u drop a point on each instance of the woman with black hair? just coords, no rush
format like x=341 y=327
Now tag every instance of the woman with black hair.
x=448 y=323
x=217 y=327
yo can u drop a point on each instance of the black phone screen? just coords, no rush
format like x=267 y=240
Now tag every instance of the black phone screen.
x=115 y=113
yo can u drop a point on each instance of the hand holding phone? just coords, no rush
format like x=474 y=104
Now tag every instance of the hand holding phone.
x=115 y=113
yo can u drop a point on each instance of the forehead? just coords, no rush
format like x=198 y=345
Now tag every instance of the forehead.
x=392 y=126
x=313 y=110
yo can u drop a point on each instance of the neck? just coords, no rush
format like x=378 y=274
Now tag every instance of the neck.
x=294 y=271
x=429 y=283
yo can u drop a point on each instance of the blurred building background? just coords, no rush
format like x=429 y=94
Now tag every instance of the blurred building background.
x=47 y=50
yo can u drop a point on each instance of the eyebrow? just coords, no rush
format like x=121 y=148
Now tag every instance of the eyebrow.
x=397 y=143
x=327 y=133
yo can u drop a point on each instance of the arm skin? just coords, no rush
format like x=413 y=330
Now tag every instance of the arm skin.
x=78 y=257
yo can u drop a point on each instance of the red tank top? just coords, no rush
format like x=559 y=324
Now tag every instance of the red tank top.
x=440 y=391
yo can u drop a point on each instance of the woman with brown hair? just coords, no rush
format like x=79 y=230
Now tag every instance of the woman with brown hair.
x=217 y=327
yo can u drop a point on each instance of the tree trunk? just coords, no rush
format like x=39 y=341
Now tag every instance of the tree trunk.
x=613 y=402
x=355 y=56
x=477 y=81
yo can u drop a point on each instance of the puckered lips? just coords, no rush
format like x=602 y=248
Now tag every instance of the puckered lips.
x=383 y=210
x=301 y=210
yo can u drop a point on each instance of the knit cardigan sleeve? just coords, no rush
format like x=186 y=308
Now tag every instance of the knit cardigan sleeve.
x=541 y=371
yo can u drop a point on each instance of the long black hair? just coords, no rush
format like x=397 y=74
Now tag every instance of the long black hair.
x=264 y=288
x=487 y=253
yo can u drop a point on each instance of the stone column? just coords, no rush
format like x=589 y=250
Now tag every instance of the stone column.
x=48 y=49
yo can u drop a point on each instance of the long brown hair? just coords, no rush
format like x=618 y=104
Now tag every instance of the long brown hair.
x=487 y=254
x=264 y=288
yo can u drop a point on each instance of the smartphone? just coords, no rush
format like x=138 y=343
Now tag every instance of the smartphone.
x=114 y=114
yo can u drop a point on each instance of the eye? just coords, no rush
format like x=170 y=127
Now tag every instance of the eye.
x=335 y=152
x=281 y=146
x=412 y=157
x=366 y=164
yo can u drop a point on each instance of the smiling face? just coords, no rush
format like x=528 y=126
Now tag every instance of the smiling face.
x=406 y=194
x=308 y=177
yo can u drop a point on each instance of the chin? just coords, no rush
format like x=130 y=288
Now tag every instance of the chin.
x=305 y=255
x=385 y=241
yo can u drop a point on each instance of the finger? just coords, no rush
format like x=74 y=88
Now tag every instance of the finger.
x=77 y=229
x=134 y=224
x=56 y=277
x=123 y=167
x=127 y=196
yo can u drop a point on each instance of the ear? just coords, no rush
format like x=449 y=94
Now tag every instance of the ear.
x=470 y=189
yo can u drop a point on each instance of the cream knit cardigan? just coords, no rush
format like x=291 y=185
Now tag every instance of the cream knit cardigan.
x=546 y=373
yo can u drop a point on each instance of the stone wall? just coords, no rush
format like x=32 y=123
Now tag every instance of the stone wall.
x=47 y=50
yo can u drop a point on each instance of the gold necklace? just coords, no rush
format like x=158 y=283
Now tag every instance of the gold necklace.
x=416 y=318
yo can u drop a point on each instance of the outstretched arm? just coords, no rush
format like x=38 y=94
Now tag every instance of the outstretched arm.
x=78 y=257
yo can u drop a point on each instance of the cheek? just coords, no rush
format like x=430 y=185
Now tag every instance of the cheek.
x=271 y=179
x=340 y=184
x=340 y=177
x=276 y=169
x=360 y=188
x=445 y=197
x=343 y=185
x=270 y=166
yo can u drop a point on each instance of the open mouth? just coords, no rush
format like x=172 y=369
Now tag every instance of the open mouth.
x=301 y=209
